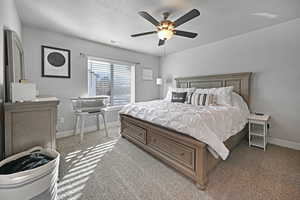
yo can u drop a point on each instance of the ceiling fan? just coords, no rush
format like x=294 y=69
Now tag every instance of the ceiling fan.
x=166 y=28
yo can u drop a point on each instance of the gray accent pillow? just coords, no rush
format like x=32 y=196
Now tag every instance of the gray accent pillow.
x=178 y=97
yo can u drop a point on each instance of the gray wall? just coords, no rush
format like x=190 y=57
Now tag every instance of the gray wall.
x=272 y=53
x=77 y=86
x=9 y=19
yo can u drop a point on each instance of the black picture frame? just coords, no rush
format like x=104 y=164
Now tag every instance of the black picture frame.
x=43 y=62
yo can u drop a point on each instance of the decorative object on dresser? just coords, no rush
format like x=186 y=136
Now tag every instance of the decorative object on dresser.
x=258 y=130
x=184 y=153
x=89 y=106
x=29 y=124
x=23 y=92
x=56 y=62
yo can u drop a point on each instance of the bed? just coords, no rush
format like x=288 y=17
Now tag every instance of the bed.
x=188 y=155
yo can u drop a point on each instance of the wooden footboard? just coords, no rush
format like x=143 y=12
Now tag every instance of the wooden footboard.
x=184 y=153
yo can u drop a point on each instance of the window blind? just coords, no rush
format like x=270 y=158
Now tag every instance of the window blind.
x=112 y=79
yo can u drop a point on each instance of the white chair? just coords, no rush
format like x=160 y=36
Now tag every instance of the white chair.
x=89 y=106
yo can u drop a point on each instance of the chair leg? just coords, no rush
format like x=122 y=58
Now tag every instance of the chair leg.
x=76 y=124
x=82 y=128
x=98 y=122
x=104 y=121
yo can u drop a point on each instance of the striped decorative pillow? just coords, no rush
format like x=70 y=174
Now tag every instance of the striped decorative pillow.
x=199 y=99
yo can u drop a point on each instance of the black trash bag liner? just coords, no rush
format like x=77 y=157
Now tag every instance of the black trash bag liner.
x=24 y=163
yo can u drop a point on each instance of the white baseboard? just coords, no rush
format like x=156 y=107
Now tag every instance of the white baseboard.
x=285 y=143
x=67 y=133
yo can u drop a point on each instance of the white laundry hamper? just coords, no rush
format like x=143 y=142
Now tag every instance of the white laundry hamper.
x=35 y=184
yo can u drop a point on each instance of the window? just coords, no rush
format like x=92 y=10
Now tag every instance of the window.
x=111 y=78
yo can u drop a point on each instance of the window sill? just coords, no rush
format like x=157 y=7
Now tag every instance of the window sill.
x=112 y=108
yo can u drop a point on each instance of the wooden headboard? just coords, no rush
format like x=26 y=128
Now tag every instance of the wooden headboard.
x=239 y=81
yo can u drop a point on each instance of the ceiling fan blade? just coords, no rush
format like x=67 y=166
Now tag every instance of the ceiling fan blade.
x=185 y=34
x=149 y=18
x=161 y=42
x=187 y=17
x=141 y=34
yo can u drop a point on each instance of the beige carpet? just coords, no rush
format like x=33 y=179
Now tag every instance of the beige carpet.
x=112 y=168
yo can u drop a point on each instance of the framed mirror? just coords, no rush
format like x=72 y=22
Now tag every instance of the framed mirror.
x=14 y=61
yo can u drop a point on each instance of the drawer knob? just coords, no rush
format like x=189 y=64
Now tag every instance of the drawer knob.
x=154 y=140
x=182 y=154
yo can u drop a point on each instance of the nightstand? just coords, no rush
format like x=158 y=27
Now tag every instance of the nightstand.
x=258 y=130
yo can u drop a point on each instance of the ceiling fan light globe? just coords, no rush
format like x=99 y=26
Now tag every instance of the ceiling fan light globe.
x=165 y=34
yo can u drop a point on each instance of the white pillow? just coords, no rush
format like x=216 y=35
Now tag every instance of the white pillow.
x=170 y=90
x=239 y=102
x=223 y=95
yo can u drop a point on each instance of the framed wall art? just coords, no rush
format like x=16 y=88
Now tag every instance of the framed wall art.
x=56 y=62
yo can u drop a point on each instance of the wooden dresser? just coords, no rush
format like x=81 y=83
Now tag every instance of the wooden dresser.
x=30 y=124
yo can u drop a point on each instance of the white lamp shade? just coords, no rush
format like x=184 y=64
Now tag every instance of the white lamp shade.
x=159 y=81
x=165 y=34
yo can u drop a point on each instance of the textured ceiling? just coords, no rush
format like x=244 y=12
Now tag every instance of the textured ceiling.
x=105 y=21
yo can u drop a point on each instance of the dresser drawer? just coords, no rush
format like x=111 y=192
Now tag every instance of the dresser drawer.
x=174 y=150
x=135 y=132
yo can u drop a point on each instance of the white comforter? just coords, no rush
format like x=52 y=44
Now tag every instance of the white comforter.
x=209 y=124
